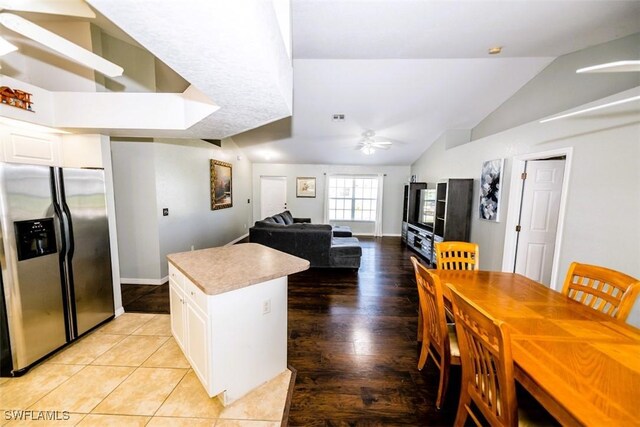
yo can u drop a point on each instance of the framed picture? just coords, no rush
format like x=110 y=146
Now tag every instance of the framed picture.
x=490 y=182
x=305 y=186
x=221 y=185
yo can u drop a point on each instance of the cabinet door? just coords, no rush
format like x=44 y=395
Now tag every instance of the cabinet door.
x=176 y=299
x=197 y=342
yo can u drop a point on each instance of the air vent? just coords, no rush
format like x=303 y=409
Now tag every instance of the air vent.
x=338 y=118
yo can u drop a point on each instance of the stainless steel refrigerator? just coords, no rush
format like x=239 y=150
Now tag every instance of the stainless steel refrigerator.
x=55 y=259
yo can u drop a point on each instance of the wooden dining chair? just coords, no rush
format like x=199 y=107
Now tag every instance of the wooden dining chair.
x=457 y=255
x=438 y=338
x=487 y=372
x=602 y=289
x=487 y=366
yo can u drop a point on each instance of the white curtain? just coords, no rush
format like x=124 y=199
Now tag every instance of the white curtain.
x=326 y=199
x=377 y=232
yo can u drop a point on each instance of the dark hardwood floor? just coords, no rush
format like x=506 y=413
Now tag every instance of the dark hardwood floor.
x=352 y=338
x=352 y=341
x=145 y=298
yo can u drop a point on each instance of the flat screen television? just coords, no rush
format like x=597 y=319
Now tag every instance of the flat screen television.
x=427 y=207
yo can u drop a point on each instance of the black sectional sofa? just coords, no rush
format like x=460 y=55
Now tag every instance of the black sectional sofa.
x=314 y=242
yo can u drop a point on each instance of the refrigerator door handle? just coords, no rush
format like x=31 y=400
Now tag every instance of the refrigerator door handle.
x=65 y=215
x=66 y=251
x=58 y=216
x=69 y=230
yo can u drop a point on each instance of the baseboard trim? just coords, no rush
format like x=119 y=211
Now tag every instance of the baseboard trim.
x=287 y=403
x=151 y=282
x=237 y=240
x=119 y=311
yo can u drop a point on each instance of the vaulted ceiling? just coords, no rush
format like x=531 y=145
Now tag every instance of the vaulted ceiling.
x=409 y=70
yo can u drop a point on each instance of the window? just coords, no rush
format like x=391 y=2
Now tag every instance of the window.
x=353 y=198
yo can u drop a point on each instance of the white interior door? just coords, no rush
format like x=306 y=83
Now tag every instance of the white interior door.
x=542 y=191
x=273 y=195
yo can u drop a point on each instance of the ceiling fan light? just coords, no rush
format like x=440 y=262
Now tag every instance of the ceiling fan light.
x=368 y=150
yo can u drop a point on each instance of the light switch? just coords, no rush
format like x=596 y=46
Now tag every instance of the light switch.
x=165 y=211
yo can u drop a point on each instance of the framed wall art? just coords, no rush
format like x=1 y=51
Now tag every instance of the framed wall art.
x=490 y=182
x=305 y=186
x=221 y=185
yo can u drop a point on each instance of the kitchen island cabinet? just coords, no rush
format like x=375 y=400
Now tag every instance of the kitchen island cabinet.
x=229 y=314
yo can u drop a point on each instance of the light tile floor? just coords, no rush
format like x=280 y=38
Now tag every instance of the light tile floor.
x=131 y=372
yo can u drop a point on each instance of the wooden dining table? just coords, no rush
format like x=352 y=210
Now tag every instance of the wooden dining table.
x=581 y=365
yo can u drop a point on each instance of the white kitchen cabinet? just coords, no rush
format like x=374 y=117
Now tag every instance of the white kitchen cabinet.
x=176 y=302
x=240 y=328
x=229 y=314
x=189 y=322
x=35 y=148
x=19 y=145
x=197 y=341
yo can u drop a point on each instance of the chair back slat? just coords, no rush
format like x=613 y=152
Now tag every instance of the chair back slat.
x=457 y=255
x=432 y=305
x=608 y=291
x=487 y=363
x=436 y=336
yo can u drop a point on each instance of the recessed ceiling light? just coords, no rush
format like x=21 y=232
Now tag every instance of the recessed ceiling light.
x=495 y=50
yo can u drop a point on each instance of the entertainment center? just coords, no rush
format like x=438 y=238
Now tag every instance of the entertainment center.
x=435 y=213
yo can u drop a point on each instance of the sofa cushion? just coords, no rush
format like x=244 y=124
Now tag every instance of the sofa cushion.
x=278 y=219
x=345 y=252
x=287 y=217
x=269 y=220
x=346 y=245
x=268 y=224
x=342 y=231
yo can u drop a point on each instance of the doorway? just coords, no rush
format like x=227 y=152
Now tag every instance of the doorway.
x=273 y=195
x=535 y=219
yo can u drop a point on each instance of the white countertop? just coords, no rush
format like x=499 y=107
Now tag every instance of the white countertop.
x=224 y=269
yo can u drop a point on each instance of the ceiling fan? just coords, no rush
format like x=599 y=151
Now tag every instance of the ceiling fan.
x=368 y=144
x=26 y=28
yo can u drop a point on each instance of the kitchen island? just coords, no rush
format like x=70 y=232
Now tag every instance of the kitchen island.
x=229 y=314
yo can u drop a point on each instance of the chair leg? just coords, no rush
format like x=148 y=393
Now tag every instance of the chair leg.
x=442 y=387
x=461 y=414
x=424 y=353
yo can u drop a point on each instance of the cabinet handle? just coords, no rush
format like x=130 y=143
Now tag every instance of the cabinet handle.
x=192 y=293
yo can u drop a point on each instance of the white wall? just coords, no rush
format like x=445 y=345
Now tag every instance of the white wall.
x=105 y=156
x=134 y=180
x=313 y=208
x=603 y=200
x=183 y=186
x=173 y=174
x=559 y=88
